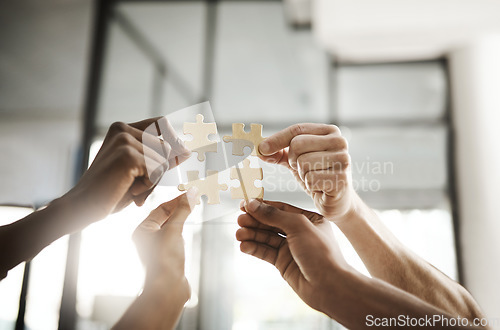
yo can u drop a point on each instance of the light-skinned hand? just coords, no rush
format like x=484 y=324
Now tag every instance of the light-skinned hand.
x=160 y=246
x=318 y=157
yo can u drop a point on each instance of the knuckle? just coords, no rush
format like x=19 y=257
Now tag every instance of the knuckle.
x=123 y=138
x=267 y=210
x=126 y=152
x=344 y=143
x=118 y=126
x=343 y=160
x=127 y=155
x=297 y=129
x=298 y=143
x=338 y=142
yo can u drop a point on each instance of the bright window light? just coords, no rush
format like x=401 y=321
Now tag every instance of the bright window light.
x=10 y=287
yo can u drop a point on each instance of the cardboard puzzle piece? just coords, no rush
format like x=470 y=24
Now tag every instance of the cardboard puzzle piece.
x=209 y=186
x=200 y=132
x=242 y=139
x=248 y=175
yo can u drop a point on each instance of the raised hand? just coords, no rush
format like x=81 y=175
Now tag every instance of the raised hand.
x=317 y=155
x=128 y=166
x=302 y=247
x=306 y=258
x=161 y=249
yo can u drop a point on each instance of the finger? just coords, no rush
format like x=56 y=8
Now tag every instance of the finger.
x=269 y=215
x=125 y=139
x=152 y=175
x=170 y=136
x=158 y=145
x=313 y=216
x=138 y=188
x=279 y=158
x=155 y=165
x=260 y=251
x=140 y=199
x=307 y=143
x=143 y=124
x=163 y=128
x=267 y=237
x=182 y=208
x=285 y=262
x=155 y=220
x=136 y=166
x=147 y=139
x=327 y=181
x=282 y=139
x=148 y=132
x=246 y=220
x=322 y=160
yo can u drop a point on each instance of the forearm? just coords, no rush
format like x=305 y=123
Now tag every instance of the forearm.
x=156 y=308
x=357 y=302
x=389 y=260
x=24 y=239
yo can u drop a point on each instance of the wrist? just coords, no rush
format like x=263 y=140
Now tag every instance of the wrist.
x=342 y=293
x=166 y=292
x=83 y=210
x=355 y=208
x=339 y=291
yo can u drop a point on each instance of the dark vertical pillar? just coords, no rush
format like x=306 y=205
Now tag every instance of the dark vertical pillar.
x=22 y=298
x=102 y=12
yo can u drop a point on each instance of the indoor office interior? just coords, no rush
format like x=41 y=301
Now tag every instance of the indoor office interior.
x=414 y=86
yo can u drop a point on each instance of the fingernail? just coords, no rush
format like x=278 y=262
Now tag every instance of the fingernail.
x=253 y=205
x=264 y=147
x=242 y=204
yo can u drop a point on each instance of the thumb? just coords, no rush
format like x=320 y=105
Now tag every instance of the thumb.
x=288 y=222
x=180 y=210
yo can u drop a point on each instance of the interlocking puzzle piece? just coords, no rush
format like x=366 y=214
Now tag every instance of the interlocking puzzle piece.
x=241 y=139
x=209 y=186
x=200 y=132
x=248 y=175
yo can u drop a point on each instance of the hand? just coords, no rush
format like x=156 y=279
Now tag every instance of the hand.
x=128 y=166
x=160 y=244
x=317 y=156
x=161 y=249
x=307 y=258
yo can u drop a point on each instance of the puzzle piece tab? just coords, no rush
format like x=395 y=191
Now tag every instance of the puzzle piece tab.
x=209 y=186
x=248 y=175
x=200 y=132
x=241 y=139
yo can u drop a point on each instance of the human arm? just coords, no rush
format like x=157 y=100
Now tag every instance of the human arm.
x=310 y=261
x=126 y=169
x=317 y=155
x=161 y=248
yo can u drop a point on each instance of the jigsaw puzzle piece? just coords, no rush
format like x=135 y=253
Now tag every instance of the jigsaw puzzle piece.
x=209 y=186
x=200 y=132
x=242 y=139
x=248 y=175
